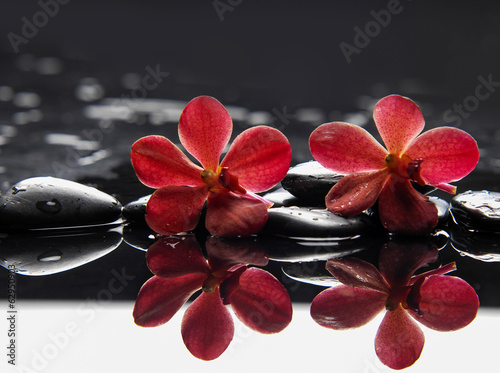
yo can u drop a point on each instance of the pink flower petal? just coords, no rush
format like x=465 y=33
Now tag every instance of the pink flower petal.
x=175 y=209
x=159 y=299
x=355 y=193
x=448 y=154
x=158 y=162
x=404 y=210
x=205 y=127
x=345 y=307
x=346 y=148
x=259 y=157
x=399 y=120
x=171 y=257
x=229 y=214
x=399 y=340
x=207 y=327
x=357 y=273
x=261 y=302
x=447 y=303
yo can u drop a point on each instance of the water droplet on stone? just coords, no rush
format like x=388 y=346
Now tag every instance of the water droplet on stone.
x=50 y=256
x=51 y=207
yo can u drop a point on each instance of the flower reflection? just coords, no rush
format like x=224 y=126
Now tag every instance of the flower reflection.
x=258 y=299
x=442 y=303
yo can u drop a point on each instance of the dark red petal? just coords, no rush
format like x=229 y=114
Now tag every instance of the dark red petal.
x=159 y=299
x=259 y=157
x=207 y=327
x=158 y=162
x=229 y=214
x=404 y=210
x=171 y=257
x=346 y=148
x=448 y=154
x=261 y=302
x=345 y=307
x=205 y=127
x=355 y=193
x=399 y=341
x=398 y=261
x=399 y=120
x=175 y=209
x=357 y=273
x=447 y=303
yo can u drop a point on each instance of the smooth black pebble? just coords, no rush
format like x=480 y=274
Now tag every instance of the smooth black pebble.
x=477 y=210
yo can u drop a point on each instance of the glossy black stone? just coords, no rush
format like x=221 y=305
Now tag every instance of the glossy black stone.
x=484 y=246
x=477 y=210
x=308 y=222
x=313 y=273
x=310 y=182
x=282 y=198
x=47 y=202
x=443 y=208
x=136 y=210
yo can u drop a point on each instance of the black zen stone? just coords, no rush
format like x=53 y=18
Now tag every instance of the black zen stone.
x=136 y=210
x=308 y=222
x=443 y=208
x=477 y=210
x=47 y=202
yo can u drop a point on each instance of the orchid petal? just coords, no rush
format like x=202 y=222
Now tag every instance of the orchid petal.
x=345 y=307
x=260 y=158
x=355 y=193
x=399 y=340
x=159 y=299
x=446 y=303
x=404 y=210
x=357 y=273
x=229 y=214
x=158 y=162
x=448 y=154
x=346 y=148
x=207 y=327
x=398 y=120
x=175 y=209
x=205 y=128
x=171 y=257
x=261 y=302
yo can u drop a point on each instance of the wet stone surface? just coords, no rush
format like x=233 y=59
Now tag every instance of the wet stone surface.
x=308 y=222
x=47 y=202
x=136 y=210
x=310 y=182
x=443 y=208
x=282 y=198
x=484 y=246
x=477 y=210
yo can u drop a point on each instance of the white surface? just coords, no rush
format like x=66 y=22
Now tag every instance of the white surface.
x=91 y=337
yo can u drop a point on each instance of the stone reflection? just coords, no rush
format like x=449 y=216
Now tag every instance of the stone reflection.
x=442 y=303
x=180 y=269
x=46 y=252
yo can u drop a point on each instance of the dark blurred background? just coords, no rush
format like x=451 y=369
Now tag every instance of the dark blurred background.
x=74 y=92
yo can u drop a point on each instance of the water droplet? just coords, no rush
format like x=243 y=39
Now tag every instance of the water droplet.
x=51 y=207
x=50 y=256
x=16 y=190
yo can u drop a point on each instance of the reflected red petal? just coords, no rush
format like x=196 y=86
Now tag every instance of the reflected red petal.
x=229 y=214
x=355 y=193
x=399 y=340
x=226 y=252
x=259 y=157
x=447 y=303
x=158 y=162
x=207 y=327
x=448 y=154
x=399 y=120
x=346 y=148
x=171 y=257
x=404 y=210
x=345 y=307
x=175 y=209
x=261 y=302
x=357 y=273
x=205 y=127
x=159 y=298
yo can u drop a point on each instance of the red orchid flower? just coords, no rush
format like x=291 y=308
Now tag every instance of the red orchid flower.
x=436 y=157
x=257 y=160
x=442 y=303
x=258 y=299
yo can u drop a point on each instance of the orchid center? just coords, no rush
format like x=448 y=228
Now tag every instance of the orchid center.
x=405 y=167
x=222 y=180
